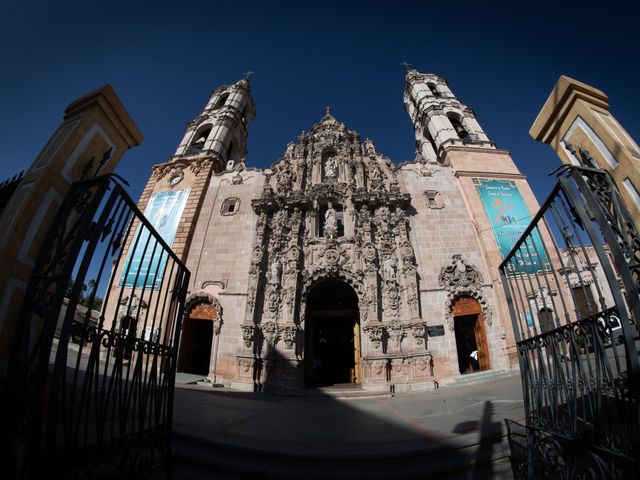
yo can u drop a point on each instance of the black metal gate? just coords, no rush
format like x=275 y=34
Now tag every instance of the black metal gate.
x=90 y=383
x=572 y=284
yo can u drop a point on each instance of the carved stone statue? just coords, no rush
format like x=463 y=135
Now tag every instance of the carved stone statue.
x=330 y=222
x=275 y=272
x=284 y=177
x=369 y=148
x=289 y=152
x=389 y=268
x=330 y=167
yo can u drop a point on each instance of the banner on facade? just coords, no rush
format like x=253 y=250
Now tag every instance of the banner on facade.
x=145 y=264
x=509 y=217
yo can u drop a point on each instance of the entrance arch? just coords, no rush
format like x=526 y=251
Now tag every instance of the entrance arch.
x=332 y=335
x=470 y=335
x=197 y=339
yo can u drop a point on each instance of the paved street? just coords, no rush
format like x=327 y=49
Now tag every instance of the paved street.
x=445 y=420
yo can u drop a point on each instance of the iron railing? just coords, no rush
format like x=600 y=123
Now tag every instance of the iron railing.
x=91 y=376
x=571 y=282
x=7 y=188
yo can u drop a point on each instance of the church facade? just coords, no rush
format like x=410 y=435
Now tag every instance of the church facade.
x=335 y=265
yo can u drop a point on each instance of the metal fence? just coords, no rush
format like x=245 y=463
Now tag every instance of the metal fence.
x=91 y=377
x=7 y=188
x=572 y=287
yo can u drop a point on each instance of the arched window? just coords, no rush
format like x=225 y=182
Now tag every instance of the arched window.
x=222 y=100
x=230 y=150
x=331 y=221
x=199 y=140
x=457 y=125
x=434 y=90
x=427 y=135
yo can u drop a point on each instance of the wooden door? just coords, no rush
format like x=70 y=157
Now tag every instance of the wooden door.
x=470 y=306
x=356 y=376
x=481 y=343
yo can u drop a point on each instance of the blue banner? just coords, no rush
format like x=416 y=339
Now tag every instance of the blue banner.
x=509 y=217
x=146 y=261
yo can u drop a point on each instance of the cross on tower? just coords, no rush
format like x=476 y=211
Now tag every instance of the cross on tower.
x=248 y=74
x=327 y=111
x=407 y=66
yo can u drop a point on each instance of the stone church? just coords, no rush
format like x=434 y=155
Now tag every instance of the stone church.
x=337 y=265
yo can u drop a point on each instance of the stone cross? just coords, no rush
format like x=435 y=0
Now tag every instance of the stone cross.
x=327 y=111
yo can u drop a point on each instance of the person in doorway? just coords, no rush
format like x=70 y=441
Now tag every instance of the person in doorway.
x=473 y=361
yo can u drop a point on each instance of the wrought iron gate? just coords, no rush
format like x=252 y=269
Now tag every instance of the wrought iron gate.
x=91 y=380
x=572 y=285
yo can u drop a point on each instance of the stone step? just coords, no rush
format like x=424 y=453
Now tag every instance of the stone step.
x=479 y=377
x=199 y=457
x=342 y=391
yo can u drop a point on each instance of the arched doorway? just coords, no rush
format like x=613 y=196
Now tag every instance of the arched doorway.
x=332 y=335
x=197 y=338
x=471 y=338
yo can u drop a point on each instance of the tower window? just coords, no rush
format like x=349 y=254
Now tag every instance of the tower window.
x=230 y=206
x=222 y=100
x=200 y=139
x=434 y=90
x=427 y=135
x=230 y=150
x=457 y=126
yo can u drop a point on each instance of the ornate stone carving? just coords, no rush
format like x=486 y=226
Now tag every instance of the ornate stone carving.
x=272 y=300
x=369 y=252
x=244 y=368
x=200 y=164
x=419 y=331
x=236 y=179
x=375 y=255
x=289 y=334
x=275 y=271
x=201 y=297
x=161 y=170
x=330 y=222
x=284 y=177
x=330 y=167
x=391 y=298
x=269 y=331
x=425 y=171
x=397 y=333
x=248 y=331
x=251 y=299
x=459 y=275
x=460 y=279
x=406 y=251
x=424 y=366
x=376 y=335
x=389 y=269
x=289 y=299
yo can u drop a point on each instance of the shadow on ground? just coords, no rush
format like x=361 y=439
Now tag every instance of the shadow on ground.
x=450 y=433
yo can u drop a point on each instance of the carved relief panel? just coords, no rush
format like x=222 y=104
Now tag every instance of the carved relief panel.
x=332 y=208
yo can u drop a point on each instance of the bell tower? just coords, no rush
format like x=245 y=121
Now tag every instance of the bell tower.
x=220 y=129
x=215 y=140
x=439 y=119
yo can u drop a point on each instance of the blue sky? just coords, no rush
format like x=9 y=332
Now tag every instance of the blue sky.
x=164 y=58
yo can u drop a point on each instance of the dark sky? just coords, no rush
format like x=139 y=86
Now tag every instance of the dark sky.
x=163 y=59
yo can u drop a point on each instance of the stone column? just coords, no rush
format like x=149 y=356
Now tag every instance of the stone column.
x=93 y=125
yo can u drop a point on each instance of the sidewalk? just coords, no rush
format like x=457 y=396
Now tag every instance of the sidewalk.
x=468 y=420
